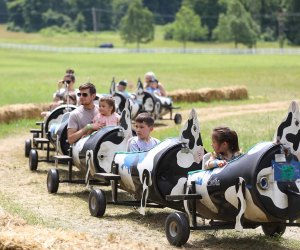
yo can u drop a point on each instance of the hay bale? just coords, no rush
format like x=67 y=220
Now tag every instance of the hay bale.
x=209 y=94
x=21 y=111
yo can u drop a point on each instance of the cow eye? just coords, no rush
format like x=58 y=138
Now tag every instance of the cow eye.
x=297 y=123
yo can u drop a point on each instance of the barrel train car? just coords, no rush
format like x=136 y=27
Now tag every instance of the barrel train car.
x=144 y=101
x=92 y=154
x=151 y=175
x=260 y=188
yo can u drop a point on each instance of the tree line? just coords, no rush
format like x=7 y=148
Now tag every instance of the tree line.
x=237 y=21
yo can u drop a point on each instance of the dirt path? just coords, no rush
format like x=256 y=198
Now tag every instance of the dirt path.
x=65 y=221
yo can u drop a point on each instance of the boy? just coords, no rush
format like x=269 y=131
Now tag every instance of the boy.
x=121 y=87
x=143 y=127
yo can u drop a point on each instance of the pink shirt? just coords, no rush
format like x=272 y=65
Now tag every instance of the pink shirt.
x=113 y=119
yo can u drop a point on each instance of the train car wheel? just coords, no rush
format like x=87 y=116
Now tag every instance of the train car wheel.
x=97 y=203
x=27 y=147
x=275 y=229
x=33 y=159
x=52 y=180
x=177 y=229
x=177 y=118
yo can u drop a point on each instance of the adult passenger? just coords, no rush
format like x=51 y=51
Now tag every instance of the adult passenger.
x=81 y=119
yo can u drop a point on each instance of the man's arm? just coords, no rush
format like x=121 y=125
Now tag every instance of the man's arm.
x=74 y=135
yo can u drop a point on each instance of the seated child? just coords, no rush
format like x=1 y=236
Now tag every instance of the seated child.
x=153 y=87
x=121 y=87
x=143 y=127
x=107 y=113
x=226 y=147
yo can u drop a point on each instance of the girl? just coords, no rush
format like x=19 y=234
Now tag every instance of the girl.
x=107 y=113
x=226 y=147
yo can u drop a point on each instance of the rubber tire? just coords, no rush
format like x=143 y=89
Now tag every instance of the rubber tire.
x=97 y=203
x=33 y=159
x=178 y=118
x=52 y=180
x=27 y=147
x=273 y=230
x=177 y=228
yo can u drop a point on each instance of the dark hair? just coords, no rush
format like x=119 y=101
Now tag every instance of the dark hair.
x=225 y=134
x=110 y=101
x=71 y=76
x=70 y=71
x=91 y=87
x=146 y=118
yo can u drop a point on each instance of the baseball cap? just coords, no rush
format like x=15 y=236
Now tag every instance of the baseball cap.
x=123 y=82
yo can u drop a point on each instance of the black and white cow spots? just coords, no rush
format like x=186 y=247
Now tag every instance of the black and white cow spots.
x=288 y=132
x=190 y=135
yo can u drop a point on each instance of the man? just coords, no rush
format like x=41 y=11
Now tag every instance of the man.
x=80 y=121
x=150 y=77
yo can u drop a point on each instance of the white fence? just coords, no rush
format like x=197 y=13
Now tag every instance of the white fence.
x=266 y=51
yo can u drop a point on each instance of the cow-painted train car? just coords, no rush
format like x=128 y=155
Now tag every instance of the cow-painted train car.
x=260 y=188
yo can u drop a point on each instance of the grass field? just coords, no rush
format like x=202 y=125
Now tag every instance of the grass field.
x=30 y=77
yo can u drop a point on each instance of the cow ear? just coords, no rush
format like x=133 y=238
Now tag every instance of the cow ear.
x=112 y=89
x=294 y=107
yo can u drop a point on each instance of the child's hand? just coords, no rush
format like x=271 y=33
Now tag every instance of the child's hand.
x=98 y=125
x=221 y=163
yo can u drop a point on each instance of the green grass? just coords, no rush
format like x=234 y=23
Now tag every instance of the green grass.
x=16 y=127
x=30 y=77
x=251 y=129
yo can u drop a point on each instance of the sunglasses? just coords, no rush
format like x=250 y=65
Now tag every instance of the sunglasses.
x=67 y=81
x=82 y=94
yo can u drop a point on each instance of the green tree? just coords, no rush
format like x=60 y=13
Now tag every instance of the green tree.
x=208 y=10
x=137 y=26
x=292 y=22
x=80 y=23
x=237 y=25
x=187 y=26
x=3 y=11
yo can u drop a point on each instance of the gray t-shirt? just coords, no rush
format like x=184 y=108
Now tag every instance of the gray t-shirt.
x=136 y=144
x=80 y=117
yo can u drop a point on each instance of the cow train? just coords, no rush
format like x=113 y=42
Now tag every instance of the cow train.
x=259 y=188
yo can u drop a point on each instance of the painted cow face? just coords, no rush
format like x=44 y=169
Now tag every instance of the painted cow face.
x=288 y=132
x=112 y=89
x=140 y=88
x=190 y=134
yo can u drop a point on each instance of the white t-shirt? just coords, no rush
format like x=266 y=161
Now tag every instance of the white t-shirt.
x=80 y=117
x=136 y=144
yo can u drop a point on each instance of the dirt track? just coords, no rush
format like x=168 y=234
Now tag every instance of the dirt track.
x=64 y=220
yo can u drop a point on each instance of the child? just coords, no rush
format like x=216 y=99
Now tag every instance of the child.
x=153 y=87
x=121 y=87
x=143 y=141
x=226 y=147
x=107 y=113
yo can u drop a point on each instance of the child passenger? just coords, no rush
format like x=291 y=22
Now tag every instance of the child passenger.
x=153 y=87
x=143 y=127
x=107 y=113
x=226 y=147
